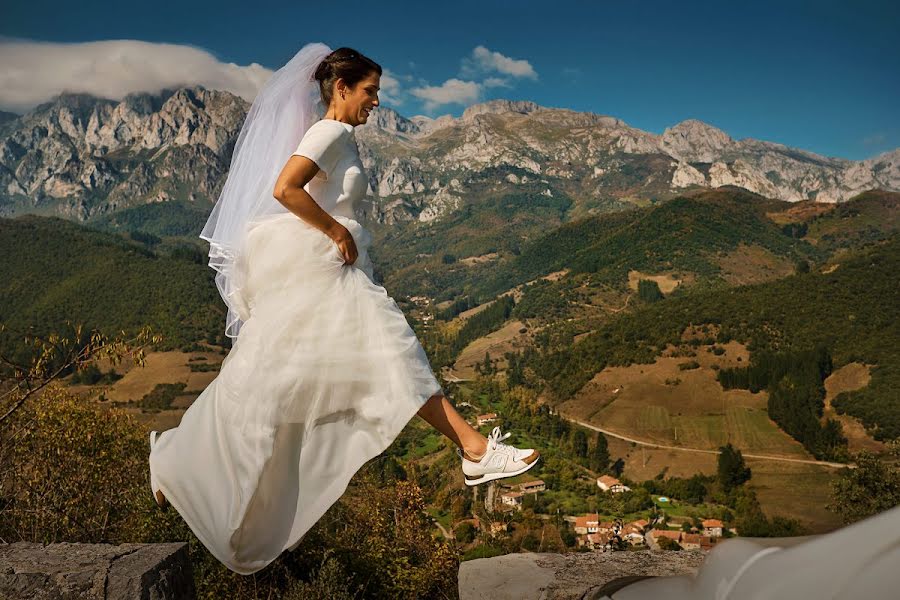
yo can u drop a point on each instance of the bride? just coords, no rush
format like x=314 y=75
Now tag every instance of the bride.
x=324 y=371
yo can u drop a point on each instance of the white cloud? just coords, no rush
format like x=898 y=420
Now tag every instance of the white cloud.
x=496 y=82
x=488 y=61
x=452 y=91
x=32 y=72
x=475 y=71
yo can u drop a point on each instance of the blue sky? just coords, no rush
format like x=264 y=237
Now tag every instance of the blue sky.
x=823 y=76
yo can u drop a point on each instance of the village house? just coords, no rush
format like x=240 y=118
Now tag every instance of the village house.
x=605 y=526
x=633 y=534
x=587 y=523
x=611 y=484
x=656 y=534
x=532 y=486
x=591 y=523
x=597 y=540
x=713 y=527
x=512 y=499
x=695 y=541
x=486 y=418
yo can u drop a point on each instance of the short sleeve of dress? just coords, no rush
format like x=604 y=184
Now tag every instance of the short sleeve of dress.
x=321 y=144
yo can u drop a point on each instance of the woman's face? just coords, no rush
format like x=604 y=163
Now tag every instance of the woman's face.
x=361 y=99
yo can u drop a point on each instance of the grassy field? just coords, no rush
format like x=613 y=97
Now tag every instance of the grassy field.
x=665 y=404
x=798 y=491
x=799 y=212
x=667 y=282
x=746 y=265
x=644 y=403
x=159 y=367
x=850 y=378
x=505 y=339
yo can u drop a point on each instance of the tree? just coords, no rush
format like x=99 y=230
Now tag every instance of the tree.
x=636 y=500
x=648 y=290
x=580 y=443
x=54 y=357
x=732 y=470
x=568 y=536
x=599 y=458
x=330 y=581
x=531 y=542
x=665 y=543
x=750 y=519
x=465 y=532
x=459 y=508
x=872 y=487
x=485 y=368
x=515 y=375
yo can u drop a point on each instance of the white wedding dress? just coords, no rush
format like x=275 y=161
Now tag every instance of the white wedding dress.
x=323 y=376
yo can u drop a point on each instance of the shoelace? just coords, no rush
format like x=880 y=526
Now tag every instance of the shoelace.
x=495 y=443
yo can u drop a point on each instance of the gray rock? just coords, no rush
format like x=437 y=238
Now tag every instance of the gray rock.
x=574 y=576
x=67 y=571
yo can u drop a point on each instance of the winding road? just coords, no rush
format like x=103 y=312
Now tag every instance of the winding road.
x=804 y=461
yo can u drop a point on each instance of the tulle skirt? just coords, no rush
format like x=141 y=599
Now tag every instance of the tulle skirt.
x=323 y=376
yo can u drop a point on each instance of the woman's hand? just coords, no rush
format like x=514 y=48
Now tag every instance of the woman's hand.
x=346 y=245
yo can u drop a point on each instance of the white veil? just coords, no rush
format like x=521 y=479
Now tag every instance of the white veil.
x=286 y=106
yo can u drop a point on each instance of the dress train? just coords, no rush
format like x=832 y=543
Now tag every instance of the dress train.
x=323 y=376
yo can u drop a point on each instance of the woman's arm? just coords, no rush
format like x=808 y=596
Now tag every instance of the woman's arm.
x=297 y=172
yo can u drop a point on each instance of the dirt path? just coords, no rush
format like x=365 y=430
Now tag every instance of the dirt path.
x=446 y=533
x=784 y=459
x=805 y=461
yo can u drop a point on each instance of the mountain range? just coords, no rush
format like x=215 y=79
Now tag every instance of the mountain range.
x=86 y=158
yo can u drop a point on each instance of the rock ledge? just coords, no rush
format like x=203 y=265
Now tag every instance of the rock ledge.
x=103 y=571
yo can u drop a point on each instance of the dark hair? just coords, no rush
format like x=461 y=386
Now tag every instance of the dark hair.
x=344 y=63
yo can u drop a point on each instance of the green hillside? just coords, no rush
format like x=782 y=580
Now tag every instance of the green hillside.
x=851 y=311
x=425 y=258
x=684 y=234
x=54 y=270
x=175 y=218
x=869 y=217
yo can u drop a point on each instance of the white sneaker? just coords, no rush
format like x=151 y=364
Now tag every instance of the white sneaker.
x=499 y=460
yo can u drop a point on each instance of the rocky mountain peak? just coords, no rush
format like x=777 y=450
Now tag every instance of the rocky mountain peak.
x=427 y=124
x=499 y=106
x=692 y=140
x=390 y=120
x=84 y=156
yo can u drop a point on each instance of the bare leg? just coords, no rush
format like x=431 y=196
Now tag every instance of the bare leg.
x=442 y=416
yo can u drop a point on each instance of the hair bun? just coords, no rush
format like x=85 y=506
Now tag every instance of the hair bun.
x=323 y=70
x=343 y=63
